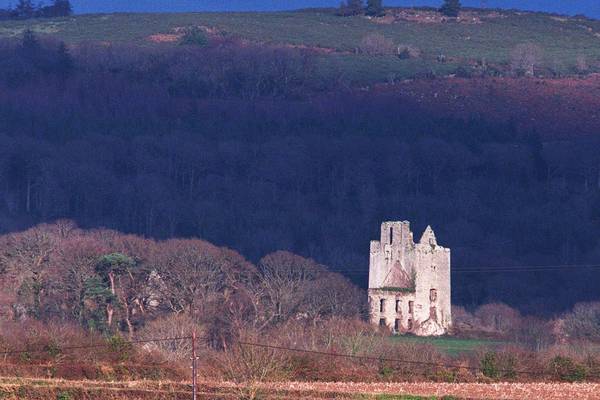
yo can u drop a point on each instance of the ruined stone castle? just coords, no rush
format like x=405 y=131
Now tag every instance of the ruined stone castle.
x=409 y=283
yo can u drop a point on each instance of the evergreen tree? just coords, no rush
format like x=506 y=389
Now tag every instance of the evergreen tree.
x=64 y=62
x=25 y=9
x=351 y=7
x=451 y=8
x=61 y=8
x=374 y=7
x=29 y=42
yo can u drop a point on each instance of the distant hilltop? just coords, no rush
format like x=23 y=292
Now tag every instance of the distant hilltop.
x=590 y=8
x=401 y=44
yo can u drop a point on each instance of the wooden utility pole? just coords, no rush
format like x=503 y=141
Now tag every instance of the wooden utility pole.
x=194 y=368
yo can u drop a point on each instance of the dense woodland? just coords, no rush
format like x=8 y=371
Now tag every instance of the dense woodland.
x=107 y=282
x=246 y=147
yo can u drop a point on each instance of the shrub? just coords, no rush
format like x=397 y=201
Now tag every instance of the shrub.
x=565 y=369
x=377 y=44
x=63 y=396
x=252 y=365
x=194 y=36
x=499 y=365
x=407 y=51
x=451 y=8
x=464 y=72
x=170 y=326
x=119 y=348
x=489 y=365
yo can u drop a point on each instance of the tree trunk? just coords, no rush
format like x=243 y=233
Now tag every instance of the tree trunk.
x=111 y=277
x=129 y=325
x=109 y=314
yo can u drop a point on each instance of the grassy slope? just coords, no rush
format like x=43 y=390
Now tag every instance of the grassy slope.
x=563 y=40
x=449 y=345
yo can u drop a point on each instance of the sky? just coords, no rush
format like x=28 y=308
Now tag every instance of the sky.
x=587 y=7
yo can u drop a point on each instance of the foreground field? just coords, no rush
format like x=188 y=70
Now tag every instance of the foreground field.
x=42 y=389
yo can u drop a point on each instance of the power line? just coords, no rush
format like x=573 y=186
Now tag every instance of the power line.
x=491 y=269
x=400 y=361
x=94 y=346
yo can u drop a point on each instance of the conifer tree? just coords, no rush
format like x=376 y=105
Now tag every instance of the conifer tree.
x=451 y=8
x=65 y=62
x=351 y=7
x=61 y=8
x=374 y=7
x=29 y=41
x=25 y=9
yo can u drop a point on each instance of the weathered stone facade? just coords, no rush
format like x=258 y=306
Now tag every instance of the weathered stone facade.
x=409 y=283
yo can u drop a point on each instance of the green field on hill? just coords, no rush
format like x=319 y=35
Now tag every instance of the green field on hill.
x=567 y=43
x=450 y=345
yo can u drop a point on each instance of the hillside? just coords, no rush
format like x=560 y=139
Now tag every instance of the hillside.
x=568 y=45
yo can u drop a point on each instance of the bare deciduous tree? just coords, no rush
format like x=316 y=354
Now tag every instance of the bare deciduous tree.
x=27 y=260
x=525 y=57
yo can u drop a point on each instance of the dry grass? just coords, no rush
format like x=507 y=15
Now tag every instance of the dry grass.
x=12 y=388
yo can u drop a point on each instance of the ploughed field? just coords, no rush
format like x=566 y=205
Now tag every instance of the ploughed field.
x=567 y=43
x=42 y=389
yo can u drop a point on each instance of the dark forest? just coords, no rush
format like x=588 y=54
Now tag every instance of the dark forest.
x=246 y=147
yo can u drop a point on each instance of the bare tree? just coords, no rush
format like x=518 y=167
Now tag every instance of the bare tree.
x=26 y=258
x=284 y=283
x=525 y=57
x=193 y=273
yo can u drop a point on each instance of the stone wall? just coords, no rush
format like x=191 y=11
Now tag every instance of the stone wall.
x=409 y=283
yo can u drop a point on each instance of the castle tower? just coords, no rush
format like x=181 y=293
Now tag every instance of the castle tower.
x=409 y=283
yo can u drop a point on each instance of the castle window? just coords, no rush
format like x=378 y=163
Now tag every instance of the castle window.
x=397 y=325
x=433 y=295
x=411 y=307
x=382 y=322
x=410 y=324
x=391 y=235
x=382 y=305
x=397 y=305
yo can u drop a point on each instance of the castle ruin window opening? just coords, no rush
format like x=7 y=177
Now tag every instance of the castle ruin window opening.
x=382 y=305
x=396 y=325
x=397 y=305
x=411 y=307
x=432 y=295
x=382 y=322
x=391 y=235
